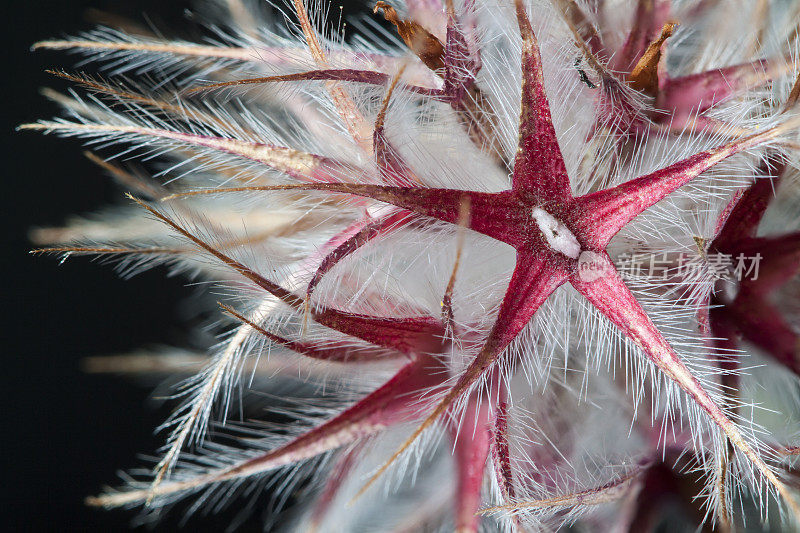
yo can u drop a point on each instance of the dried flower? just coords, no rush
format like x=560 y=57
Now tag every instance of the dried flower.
x=428 y=244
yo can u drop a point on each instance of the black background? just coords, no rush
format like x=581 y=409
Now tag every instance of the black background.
x=65 y=433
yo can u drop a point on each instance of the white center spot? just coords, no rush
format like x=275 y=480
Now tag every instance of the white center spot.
x=556 y=233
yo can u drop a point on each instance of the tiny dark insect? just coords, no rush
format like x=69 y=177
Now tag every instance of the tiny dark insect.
x=582 y=74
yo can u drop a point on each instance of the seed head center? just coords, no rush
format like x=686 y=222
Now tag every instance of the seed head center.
x=558 y=236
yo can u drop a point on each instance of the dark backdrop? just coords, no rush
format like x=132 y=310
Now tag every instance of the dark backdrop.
x=65 y=433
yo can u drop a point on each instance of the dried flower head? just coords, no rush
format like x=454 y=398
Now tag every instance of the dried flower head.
x=524 y=264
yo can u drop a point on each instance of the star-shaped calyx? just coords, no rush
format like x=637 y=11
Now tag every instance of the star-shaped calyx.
x=554 y=233
x=454 y=63
x=678 y=103
x=419 y=341
x=665 y=475
x=741 y=307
